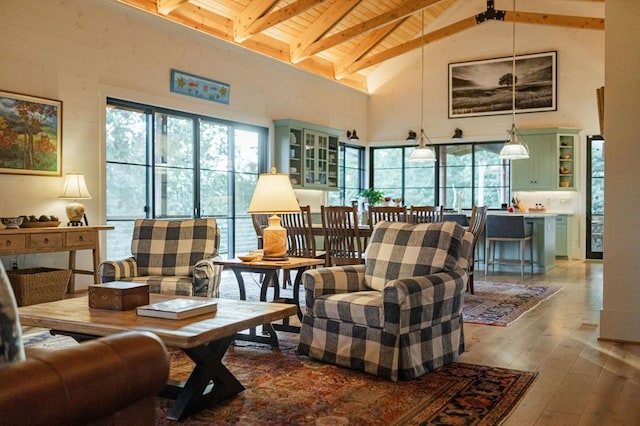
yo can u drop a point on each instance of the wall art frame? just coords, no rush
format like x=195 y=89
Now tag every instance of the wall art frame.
x=199 y=87
x=483 y=87
x=30 y=135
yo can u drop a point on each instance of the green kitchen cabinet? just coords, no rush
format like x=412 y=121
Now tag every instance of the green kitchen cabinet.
x=551 y=165
x=308 y=153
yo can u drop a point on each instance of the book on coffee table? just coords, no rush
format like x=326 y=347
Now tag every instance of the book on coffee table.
x=178 y=308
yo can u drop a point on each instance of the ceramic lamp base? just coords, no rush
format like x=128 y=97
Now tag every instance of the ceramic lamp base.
x=274 y=240
x=75 y=213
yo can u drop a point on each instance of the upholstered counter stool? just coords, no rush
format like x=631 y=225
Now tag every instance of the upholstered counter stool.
x=504 y=228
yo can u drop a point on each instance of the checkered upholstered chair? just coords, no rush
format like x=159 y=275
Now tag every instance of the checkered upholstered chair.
x=397 y=316
x=173 y=257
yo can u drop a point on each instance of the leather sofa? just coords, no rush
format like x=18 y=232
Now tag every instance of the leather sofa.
x=108 y=381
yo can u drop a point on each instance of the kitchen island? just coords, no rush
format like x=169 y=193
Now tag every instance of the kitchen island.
x=544 y=245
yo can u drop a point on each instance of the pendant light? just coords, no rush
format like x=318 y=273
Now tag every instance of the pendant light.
x=422 y=152
x=513 y=149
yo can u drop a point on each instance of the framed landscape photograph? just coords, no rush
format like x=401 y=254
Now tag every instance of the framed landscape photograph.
x=483 y=87
x=30 y=135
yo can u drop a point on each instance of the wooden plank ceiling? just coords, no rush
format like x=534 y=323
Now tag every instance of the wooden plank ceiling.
x=342 y=40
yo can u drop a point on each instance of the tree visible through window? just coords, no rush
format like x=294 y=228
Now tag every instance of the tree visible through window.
x=175 y=165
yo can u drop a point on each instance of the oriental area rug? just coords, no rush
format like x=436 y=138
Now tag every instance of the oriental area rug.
x=502 y=303
x=285 y=388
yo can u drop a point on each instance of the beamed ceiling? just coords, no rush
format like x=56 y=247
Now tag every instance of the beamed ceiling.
x=344 y=40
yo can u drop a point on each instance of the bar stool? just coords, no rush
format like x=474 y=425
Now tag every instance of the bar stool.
x=503 y=228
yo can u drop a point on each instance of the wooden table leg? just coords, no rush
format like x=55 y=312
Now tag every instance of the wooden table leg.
x=72 y=265
x=209 y=383
x=272 y=337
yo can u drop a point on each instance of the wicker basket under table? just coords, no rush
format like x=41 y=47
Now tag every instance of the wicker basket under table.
x=38 y=285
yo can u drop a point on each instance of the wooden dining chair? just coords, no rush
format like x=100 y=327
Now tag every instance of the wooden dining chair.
x=260 y=221
x=386 y=213
x=342 y=242
x=425 y=214
x=476 y=227
x=300 y=239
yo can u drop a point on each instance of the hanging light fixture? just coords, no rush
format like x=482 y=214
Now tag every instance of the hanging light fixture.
x=513 y=149
x=422 y=152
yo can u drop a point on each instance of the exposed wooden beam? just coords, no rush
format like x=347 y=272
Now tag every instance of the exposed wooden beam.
x=337 y=10
x=439 y=34
x=364 y=46
x=165 y=7
x=262 y=21
x=245 y=19
x=556 y=20
x=400 y=12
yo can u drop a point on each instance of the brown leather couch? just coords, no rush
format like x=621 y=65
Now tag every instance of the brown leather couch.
x=107 y=381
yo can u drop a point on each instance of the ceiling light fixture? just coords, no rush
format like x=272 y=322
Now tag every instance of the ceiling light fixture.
x=514 y=149
x=422 y=152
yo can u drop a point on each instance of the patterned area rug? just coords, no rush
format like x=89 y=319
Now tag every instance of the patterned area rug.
x=284 y=388
x=502 y=303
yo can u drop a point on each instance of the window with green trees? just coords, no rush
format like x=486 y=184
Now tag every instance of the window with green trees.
x=464 y=175
x=175 y=165
x=350 y=175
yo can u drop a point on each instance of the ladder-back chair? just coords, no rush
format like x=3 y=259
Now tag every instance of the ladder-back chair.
x=341 y=235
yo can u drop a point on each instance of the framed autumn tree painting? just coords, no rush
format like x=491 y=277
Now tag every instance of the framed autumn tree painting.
x=30 y=135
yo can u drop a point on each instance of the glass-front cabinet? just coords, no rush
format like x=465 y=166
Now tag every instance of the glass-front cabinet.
x=308 y=153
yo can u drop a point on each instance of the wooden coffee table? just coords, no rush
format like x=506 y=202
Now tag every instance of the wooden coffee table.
x=204 y=339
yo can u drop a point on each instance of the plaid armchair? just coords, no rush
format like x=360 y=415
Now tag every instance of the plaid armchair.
x=400 y=314
x=173 y=257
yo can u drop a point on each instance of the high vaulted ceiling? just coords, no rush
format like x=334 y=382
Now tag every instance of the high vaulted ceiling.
x=344 y=40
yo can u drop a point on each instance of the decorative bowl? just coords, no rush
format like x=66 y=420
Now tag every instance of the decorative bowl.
x=564 y=184
x=12 y=222
x=565 y=157
x=247 y=257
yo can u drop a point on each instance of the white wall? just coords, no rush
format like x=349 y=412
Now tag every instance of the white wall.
x=394 y=106
x=81 y=51
x=620 y=316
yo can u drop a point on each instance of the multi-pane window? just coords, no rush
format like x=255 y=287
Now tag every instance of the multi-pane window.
x=171 y=164
x=464 y=175
x=350 y=175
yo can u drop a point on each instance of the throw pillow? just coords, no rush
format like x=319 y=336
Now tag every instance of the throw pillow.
x=401 y=250
x=11 y=346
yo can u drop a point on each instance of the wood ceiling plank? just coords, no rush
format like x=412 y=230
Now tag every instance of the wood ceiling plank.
x=365 y=45
x=244 y=20
x=269 y=20
x=337 y=10
x=456 y=27
x=401 y=12
x=167 y=6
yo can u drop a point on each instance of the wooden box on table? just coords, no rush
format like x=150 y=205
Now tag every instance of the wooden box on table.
x=118 y=295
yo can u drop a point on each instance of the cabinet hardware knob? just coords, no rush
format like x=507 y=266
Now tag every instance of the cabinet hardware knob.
x=8 y=243
x=46 y=241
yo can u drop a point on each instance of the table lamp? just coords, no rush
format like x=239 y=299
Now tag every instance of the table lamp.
x=274 y=194
x=75 y=188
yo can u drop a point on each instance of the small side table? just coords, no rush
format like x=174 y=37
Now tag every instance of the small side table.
x=269 y=271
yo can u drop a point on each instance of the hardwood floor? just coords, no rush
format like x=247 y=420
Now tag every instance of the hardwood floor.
x=581 y=381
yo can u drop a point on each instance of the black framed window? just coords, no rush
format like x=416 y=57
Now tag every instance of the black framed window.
x=463 y=175
x=350 y=174
x=170 y=164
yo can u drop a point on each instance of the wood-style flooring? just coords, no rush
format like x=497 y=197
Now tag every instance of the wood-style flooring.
x=582 y=380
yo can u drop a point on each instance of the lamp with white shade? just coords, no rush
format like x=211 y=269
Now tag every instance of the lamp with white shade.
x=422 y=152
x=514 y=149
x=75 y=188
x=274 y=194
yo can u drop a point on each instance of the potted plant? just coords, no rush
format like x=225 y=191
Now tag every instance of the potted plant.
x=372 y=196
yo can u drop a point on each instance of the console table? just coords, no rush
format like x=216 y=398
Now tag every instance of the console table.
x=55 y=239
